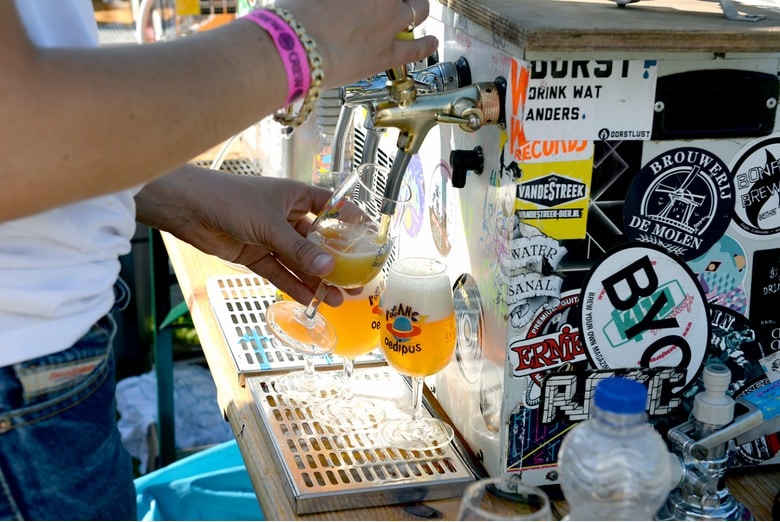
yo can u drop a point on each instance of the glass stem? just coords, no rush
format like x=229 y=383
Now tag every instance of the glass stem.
x=417 y=394
x=308 y=365
x=346 y=375
x=311 y=311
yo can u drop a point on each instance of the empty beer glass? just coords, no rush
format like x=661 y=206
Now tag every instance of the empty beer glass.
x=504 y=498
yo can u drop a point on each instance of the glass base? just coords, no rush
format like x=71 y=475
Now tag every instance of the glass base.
x=354 y=414
x=292 y=328
x=416 y=435
x=303 y=386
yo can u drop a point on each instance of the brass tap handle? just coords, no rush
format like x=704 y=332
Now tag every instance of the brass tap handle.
x=469 y=120
x=403 y=92
x=400 y=84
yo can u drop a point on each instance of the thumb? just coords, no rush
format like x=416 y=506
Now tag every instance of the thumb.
x=298 y=252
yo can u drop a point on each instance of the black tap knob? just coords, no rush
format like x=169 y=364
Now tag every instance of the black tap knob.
x=464 y=71
x=463 y=161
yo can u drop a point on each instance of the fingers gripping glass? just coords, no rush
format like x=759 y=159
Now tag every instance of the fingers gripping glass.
x=352 y=229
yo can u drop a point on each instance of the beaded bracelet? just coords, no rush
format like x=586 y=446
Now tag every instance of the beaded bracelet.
x=298 y=53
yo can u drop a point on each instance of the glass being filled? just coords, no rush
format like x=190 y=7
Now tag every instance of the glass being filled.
x=351 y=228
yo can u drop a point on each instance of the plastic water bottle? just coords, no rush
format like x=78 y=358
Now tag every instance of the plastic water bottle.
x=614 y=465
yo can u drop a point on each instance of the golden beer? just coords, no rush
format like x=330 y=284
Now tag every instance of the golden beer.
x=356 y=320
x=417 y=322
x=347 y=227
x=358 y=251
x=418 y=339
x=426 y=353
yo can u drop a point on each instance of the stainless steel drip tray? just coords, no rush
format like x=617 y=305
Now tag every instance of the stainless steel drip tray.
x=240 y=303
x=329 y=469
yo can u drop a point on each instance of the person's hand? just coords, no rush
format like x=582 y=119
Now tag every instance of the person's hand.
x=260 y=222
x=357 y=38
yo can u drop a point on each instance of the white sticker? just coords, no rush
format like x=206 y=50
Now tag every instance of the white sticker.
x=640 y=307
x=582 y=100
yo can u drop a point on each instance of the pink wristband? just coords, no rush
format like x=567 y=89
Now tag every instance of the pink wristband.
x=291 y=51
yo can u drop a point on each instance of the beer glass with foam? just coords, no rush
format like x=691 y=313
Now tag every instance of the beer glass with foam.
x=351 y=228
x=417 y=337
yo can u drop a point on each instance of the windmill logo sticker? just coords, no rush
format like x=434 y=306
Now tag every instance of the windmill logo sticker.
x=682 y=201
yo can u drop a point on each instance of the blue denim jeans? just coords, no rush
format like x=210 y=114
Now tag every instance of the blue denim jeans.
x=61 y=455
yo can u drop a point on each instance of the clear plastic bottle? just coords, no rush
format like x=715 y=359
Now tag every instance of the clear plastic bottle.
x=614 y=465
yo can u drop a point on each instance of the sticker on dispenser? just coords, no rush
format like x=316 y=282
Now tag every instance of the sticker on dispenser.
x=580 y=100
x=756 y=173
x=413 y=213
x=721 y=272
x=765 y=295
x=553 y=343
x=771 y=366
x=614 y=166
x=554 y=197
x=735 y=344
x=529 y=274
x=681 y=200
x=641 y=307
x=440 y=208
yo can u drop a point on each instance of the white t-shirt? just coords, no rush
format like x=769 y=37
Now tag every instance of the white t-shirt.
x=58 y=268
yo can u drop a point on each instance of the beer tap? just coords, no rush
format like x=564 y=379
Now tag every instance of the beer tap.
x=437 y=77
x=470 y=107
x=703 y=444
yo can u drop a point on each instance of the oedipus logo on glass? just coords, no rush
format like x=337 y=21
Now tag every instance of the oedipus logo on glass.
x=403 y=324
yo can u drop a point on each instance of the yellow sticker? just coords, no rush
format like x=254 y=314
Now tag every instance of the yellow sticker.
x=187 y=7
x=554 y=197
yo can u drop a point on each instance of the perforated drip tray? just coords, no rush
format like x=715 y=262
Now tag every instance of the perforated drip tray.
x=330 y=468
x=239 y=303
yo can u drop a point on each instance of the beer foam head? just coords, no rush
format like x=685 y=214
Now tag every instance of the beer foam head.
x=421 y=283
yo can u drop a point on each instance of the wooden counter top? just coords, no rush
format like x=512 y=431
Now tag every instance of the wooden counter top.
x=600 y=25
x=192 y=269
x=755 y=488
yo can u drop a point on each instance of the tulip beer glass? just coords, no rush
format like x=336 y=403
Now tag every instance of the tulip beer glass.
x=504 y=498
x=350 y=228
x=357 y=325
x=418 y=339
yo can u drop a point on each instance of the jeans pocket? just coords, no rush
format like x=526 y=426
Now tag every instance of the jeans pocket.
x=55 y=376
x=61 y=456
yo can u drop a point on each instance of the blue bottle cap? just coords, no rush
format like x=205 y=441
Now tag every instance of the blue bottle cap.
x=620 y=395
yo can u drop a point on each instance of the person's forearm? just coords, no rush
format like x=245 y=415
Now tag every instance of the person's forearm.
x=77 y=123
x=170 y=202
x=167 y=104
x=162 y=200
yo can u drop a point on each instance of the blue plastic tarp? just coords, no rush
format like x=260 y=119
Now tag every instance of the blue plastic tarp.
x=212 y=484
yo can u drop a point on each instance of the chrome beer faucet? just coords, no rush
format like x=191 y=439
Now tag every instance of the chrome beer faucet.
x=470 y=107
x=703 y=444
x=435 y=78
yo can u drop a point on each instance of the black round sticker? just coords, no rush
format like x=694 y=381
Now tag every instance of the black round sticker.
x=682 y=200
